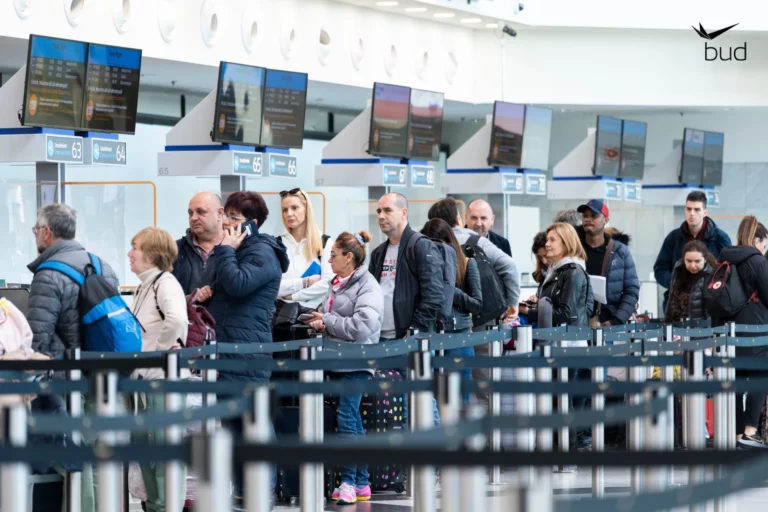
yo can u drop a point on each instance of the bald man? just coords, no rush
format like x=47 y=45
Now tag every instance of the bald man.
x=480 y=219
x=195 y=268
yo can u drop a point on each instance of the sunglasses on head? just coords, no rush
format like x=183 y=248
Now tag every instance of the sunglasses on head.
x=291 y=192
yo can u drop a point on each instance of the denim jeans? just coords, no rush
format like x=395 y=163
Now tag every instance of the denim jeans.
x=349 y=426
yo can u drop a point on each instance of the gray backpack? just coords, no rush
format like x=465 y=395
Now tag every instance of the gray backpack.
x=449 y=270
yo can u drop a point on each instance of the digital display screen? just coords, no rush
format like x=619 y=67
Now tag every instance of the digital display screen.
x=536 y=138
x=633 y=150
x=607 y=146
x=111 y=89
x=285 y=105
x=507 y=134
x=693 y=157
x=713 y=158
x=238 y=116
x=389 y=120
x=425 y=127
x=53 y=94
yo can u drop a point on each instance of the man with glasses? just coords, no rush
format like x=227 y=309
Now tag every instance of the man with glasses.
x=195 y=268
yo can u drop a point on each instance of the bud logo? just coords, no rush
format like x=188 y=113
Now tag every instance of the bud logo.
x=713 y=52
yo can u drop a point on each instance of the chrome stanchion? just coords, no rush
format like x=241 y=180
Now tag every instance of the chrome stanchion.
x=420 y=365
x=449 y=400
x=209 y=399
x=410 y=409
x=174 y=434
x=685 y=404
x=635 y=427
x=732 y=397
x=563 y=407
x=307 y=427
x=668 y=375
x=258 y=475
x=696 y=415
x=14 y=476
x=656 y=430
x=108 y=477
x=212 y=463
x=544 y=407
x=74 y=480
x=496 y=347
x=721 y=422
x=598 y=429
x=537 y=498
x=525 y=404
x=473 y=479
x=319 y=436
x=441 y=352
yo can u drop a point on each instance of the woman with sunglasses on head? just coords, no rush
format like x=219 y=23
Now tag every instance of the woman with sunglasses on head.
x=249 y=265
x=351 y=312
x=307 y=279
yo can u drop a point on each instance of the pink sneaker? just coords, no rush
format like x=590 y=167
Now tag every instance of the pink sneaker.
x=347 y=495
x=363 y=493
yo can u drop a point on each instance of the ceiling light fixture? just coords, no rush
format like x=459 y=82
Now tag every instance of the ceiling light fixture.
x=445 y=15
x=387 y=4
x=415 y=9
x=492 y=25
x=471 y=20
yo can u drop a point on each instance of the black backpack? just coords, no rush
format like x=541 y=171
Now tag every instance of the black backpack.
x=494 y=299
x=725 y=295
x=449 y=270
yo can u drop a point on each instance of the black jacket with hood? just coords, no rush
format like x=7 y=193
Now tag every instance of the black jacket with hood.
x=696 y=310
x=567 y=286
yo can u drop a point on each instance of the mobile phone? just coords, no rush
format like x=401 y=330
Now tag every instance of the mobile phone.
x=305 y=316
x=248 y=229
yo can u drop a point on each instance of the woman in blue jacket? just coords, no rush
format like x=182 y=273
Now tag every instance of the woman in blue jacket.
x=249 y=266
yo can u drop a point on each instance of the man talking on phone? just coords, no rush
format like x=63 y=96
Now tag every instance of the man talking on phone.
x=195 y=268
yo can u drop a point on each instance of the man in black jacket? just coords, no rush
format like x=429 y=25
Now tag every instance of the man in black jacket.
x=413 y=287
x=195 y=268
x=480 y=219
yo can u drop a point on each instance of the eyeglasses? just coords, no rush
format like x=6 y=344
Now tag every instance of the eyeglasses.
x=291 y=192
x=36 y=229
x=235 y=218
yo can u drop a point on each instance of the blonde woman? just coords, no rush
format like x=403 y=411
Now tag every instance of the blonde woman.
x=161 y=307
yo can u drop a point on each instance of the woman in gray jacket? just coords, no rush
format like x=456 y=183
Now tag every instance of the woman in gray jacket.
x=351 y=312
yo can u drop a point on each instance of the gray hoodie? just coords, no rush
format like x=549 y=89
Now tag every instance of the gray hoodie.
x=503 y=265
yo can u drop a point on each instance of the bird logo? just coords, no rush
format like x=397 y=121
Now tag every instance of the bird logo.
x=711 y=35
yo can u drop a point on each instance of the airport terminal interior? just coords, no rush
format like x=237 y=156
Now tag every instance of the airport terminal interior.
x=576 y=190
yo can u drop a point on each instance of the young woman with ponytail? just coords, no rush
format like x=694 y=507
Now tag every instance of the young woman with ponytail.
x=749 y=258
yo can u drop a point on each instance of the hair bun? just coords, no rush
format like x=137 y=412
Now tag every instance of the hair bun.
x=365 y=235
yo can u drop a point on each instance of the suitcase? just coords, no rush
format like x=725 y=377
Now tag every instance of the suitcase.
x=287 y=424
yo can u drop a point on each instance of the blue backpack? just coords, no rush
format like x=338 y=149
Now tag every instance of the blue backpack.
x=107 y=323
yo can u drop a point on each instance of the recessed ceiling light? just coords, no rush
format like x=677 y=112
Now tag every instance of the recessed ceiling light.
x=416 y=9
x=471 y=20
x=445 y=15
x=387 y=4
x=492 y=25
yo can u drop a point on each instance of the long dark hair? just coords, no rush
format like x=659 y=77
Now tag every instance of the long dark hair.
x=539 y=242
x=438 y=229
x=698 y=246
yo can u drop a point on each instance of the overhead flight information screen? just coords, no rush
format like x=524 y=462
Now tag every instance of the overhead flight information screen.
x=53 y=93
x=389 y=120
x=285 y=104
x=111 y=89
x=425 y=125
x=238 y=104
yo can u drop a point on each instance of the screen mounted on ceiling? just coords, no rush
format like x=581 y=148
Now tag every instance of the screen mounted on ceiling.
x=389 y=120
x=607 y=146
x=507 y=135
x=633 y=137
x=285 y=105
x=238 y=113
x=536 y=137
x=425 y=125
x=692 y=165
x=713 y=158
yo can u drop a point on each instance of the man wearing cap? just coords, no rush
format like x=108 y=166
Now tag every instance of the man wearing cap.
x=609 y=257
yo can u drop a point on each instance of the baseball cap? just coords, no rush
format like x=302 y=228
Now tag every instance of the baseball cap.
x=596 y=206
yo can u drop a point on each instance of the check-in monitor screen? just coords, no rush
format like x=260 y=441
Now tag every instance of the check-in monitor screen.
x=507 y=135
x=111 y=89
x=285 y=105
x=692 y=169
x=633 y=150
x=389 y=120
x=713 y=158
x=53 y=94
x=425 y=125
x=607 y=146
x=238 y=116
x=536 y=137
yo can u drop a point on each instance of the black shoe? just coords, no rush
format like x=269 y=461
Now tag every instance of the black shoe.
x=751 y=442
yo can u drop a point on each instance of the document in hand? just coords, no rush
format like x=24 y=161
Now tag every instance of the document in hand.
x=598 y=288
x=313 y=270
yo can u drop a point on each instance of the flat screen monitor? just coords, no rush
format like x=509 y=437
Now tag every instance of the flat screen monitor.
x=111 y=89
x=389 y=120
x=239 y=96
x=633 y=150
x=507 y=135
x=607 y=146
x=53 y=93
x=425 y=125
x=713 y=158
x=285 y=105
x=536 y=138
x=692 y=168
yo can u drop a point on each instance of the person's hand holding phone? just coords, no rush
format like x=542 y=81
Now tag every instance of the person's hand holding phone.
x=202 y=294
x=233 y=237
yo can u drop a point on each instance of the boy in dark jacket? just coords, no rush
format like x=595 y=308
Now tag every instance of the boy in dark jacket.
x=609 y=256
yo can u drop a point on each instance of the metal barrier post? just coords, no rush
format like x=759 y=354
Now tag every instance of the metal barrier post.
x=449 y=400
x=656 y=430
x=598 y=429
x=209 y=399
x=494 y=476
x=108 y=477
x=564 y=407
x=668 y=375
x=441 y=352
x=544 y=407
x=410 y=409
x=307 y=427
x=212 y=463
x=721 y=422
x=472 y=490
x=73 y=480
x=258 y=474
x=684 y=406
x=732 y=397
x=696 y=414
x=420 y=363
x=174 y=500
x=635 y=428
x=537 y=498
x=319 y=436
x=525 y=405
x=14 y=475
